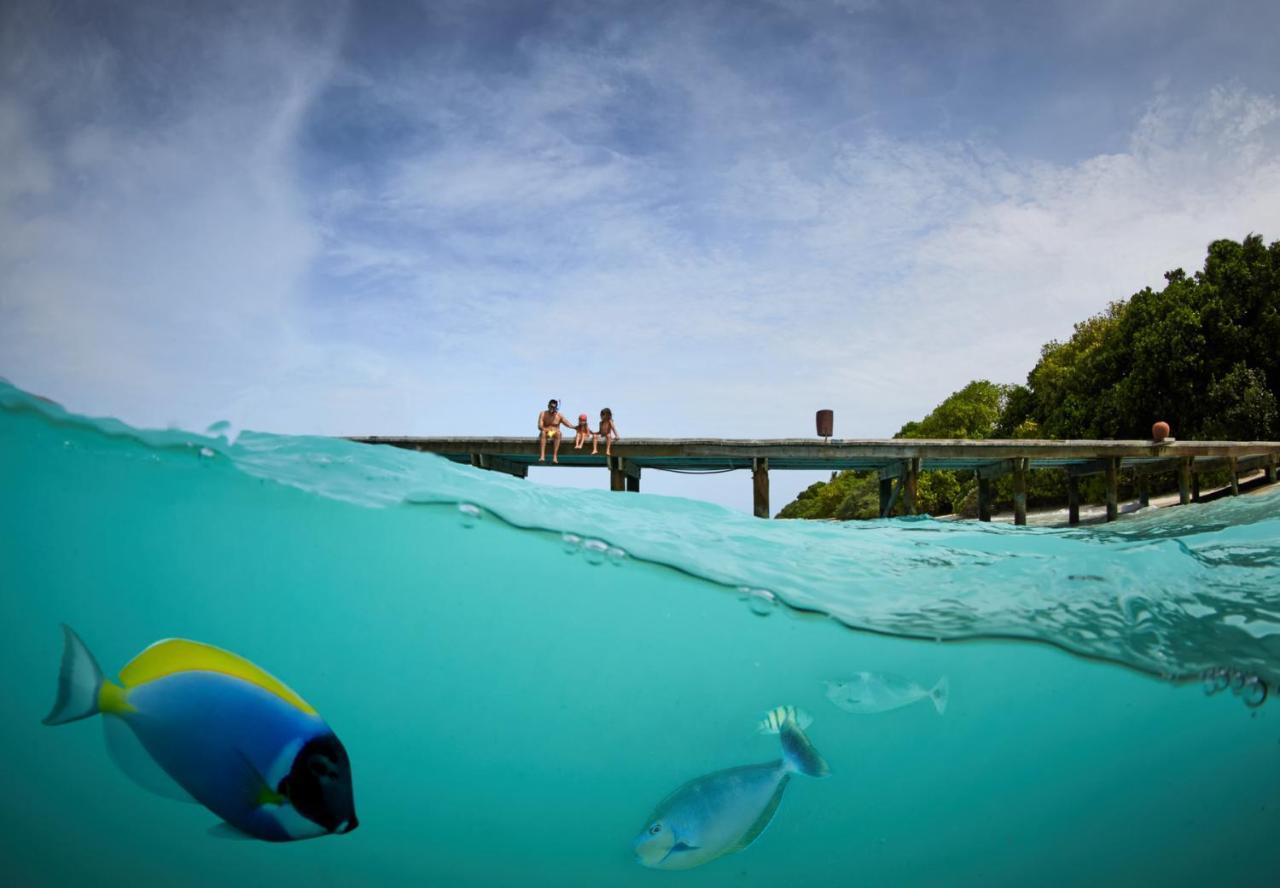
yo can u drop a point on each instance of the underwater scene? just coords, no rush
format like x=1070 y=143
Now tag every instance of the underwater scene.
x=440 y=675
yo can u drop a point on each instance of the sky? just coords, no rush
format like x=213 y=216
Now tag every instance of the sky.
x=713 y=217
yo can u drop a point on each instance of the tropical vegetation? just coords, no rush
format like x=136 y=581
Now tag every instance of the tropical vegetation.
x=1201 y=353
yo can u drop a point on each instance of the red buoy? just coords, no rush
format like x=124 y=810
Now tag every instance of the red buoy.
x=1160 y=431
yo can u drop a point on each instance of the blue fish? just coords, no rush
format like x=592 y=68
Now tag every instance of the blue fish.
x=726 y=811
x=197 y=723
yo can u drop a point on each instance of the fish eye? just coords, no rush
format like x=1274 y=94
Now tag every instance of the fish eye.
x=655 y=829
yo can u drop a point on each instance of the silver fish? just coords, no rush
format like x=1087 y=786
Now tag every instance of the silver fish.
x=871 y=692
x=724 y=812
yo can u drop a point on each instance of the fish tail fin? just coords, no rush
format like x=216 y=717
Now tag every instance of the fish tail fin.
x=798 y=754
x=939 y=694
x=80 y=682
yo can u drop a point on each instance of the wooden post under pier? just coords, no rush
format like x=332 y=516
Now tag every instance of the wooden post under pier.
x=760 y=487
x=1235 y=475
x=1271 y=469
x=1020 y=491
x=1184 y=481
x=910 y=481
x=1143 y=481
x=1113 y=489
x=886 y=496
x=984 y=497
x=1073 y=499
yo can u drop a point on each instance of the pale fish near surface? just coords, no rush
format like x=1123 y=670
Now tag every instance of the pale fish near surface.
x=870 y=692
x=726 y=811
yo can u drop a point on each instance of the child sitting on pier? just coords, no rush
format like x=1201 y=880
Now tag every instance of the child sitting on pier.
x=607 y=430
x=582 y=433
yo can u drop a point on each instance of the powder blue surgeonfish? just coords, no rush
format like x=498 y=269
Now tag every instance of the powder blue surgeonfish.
x=726 y=811
x=197 y=723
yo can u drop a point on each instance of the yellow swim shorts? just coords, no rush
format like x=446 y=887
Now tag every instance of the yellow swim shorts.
x=551 y=433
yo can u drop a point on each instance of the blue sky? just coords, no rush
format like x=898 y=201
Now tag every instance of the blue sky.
x=428 y=218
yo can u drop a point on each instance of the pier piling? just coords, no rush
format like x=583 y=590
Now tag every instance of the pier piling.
x=760 y=487
x=984 y=497
x=1113 y=489
x=1020 y=491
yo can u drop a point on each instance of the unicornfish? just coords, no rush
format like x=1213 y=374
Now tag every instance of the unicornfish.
x=726 y=811
x=197 y=723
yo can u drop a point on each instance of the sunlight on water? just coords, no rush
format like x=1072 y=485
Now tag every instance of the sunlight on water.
x=522 y=674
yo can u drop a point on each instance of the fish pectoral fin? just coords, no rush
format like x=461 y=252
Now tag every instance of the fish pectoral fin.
x=225 y=830
x=678 y=848
x=255 y=786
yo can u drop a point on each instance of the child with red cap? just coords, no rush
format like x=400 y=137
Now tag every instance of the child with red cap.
x=583 y=433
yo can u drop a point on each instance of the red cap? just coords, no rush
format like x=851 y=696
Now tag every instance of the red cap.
x=582 y=417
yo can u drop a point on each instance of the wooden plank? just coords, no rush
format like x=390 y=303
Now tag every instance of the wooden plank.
x=895 y=469
x=760 y=487
x=994 y=470
x=1184 y=481
x=498 y=464
x=1020 y=492
x=984 y=498
x=1073 y=499
x=1113 y=489
x=910 y=485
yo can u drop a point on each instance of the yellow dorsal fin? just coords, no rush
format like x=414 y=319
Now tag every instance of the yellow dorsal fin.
x=175 y=655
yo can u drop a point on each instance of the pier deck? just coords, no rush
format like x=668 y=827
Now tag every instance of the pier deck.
x=898 y=461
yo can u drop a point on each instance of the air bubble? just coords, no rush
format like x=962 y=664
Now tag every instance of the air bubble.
x=1237 y=681
x=1221 y=678
x=1210 y=679
x=1254 y=692
x=616 y=556
x=470 y=514
x=762 y=602
x=206 y=453
x=571 y=542
x=595 y=551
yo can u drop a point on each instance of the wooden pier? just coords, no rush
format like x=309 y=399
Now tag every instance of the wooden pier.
x=898 y=461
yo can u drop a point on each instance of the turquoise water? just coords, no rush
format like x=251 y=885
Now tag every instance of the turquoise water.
x=515 y=703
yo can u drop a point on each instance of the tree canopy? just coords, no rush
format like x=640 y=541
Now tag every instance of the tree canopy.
x=1201 y=353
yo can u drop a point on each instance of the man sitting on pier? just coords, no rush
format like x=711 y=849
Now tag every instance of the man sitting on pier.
x=549 y=422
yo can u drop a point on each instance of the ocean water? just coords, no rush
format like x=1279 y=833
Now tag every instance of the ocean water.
x=521 y=673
